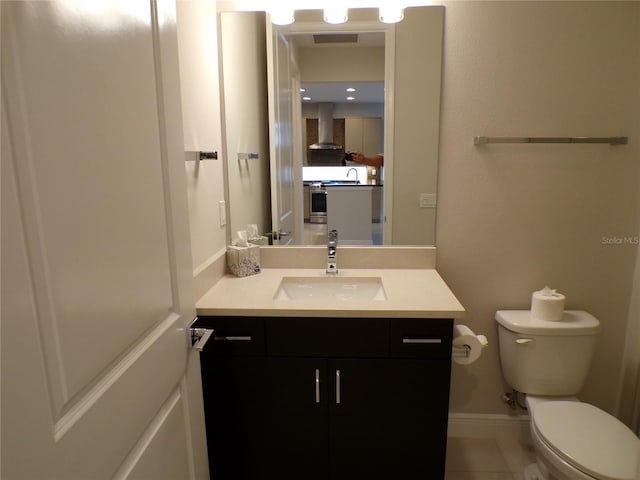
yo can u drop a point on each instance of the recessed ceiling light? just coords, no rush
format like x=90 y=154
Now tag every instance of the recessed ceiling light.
x=351 y=98
x=351 y=89
x=302 y=90
x=306 y=98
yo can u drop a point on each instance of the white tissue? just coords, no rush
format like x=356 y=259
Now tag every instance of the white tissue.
x=547 y=304
x=242 y=239
x=252 y=230
x=254 y=237
x=463 y=336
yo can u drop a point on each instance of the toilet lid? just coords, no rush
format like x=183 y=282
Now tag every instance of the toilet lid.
x=589 y=439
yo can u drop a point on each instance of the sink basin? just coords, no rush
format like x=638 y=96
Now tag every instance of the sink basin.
x=336 y=288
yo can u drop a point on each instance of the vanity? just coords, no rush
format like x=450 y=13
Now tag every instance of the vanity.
x=318 y=376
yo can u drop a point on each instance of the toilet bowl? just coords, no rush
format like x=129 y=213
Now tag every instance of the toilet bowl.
x=578 y=441
x=549 y=362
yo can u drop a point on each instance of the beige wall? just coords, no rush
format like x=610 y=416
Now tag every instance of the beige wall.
x=197 y=41
x=364 y=64
x=513 y=218
x=246 y=122
x=418 y=47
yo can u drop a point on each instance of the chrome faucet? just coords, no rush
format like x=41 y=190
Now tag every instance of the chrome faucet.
x=355 y=170
x=332 y=246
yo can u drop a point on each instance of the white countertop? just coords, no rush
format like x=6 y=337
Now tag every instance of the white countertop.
x=411 y=293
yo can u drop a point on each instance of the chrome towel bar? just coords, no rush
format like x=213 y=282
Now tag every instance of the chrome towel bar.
x=480 y=140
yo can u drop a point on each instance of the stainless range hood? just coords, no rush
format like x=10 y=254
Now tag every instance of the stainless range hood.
x=326 y=151
x=325 y=129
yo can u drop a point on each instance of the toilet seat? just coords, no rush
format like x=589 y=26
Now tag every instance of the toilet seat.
x=589 y=439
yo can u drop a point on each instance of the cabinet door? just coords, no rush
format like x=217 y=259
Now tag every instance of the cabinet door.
x=234 y=396
x=296 y=417
x=265 y=417
x=388 y=418
x=353 y=134
x=372 y=136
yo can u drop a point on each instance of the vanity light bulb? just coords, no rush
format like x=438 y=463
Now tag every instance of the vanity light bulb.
x=282 y=16
x=335 y=15
x=391 y=14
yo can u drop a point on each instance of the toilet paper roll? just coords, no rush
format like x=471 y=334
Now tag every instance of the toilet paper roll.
x=463 y=336
x=547 y=304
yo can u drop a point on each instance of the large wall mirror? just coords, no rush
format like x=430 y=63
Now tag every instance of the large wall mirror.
x=289 y=125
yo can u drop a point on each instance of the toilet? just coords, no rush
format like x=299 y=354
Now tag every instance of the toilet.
x=549 y=362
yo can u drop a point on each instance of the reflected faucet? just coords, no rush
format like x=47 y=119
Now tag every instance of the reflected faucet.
x=355 y=170
x=332 y=246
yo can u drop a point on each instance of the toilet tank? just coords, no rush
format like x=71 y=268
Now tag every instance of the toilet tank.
x=546 y=358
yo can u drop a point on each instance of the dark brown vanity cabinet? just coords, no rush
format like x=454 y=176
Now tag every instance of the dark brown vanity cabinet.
x=326 y=398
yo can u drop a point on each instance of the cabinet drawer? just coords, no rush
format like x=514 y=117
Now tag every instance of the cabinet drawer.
x=234 y=335
x=328 y=337
x=421 y=338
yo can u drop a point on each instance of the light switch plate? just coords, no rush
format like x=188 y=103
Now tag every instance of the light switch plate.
x=428 y=200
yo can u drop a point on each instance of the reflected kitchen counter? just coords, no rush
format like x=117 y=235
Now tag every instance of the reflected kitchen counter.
x=342 y=183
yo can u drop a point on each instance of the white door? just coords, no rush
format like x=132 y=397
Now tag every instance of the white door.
x=98 y=380
x=281 y=135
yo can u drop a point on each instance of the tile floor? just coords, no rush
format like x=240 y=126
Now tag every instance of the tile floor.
x=487 y=458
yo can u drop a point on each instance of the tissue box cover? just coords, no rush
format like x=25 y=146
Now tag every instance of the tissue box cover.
x=243 y=261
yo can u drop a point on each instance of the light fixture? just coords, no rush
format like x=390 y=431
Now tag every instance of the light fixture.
x=282 y=15
x=351 y=98
x=351 y=89
x=391 y=14
x=306 y=98
x=302 y=90
x=336 y=14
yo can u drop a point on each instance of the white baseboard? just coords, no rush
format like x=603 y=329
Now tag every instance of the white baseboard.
x=477 y=425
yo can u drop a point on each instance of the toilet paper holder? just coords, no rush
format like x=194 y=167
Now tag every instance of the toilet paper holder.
x=460 y=351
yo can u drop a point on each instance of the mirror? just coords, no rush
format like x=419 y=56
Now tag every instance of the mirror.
x=409 y=120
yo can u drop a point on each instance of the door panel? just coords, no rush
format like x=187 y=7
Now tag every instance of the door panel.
x=281 y=133
x=99 y=290
x=159 y=457
x=67 y=235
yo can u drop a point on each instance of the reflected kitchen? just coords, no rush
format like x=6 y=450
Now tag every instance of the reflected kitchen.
x=339 y=193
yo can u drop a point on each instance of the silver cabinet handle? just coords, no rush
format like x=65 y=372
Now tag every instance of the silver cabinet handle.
x=422 y=340
x=233 y=338
x=337 y=386
x=199 y=337
x=317 y=385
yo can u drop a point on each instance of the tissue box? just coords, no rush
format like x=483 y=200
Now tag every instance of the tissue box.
x=243 y=261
